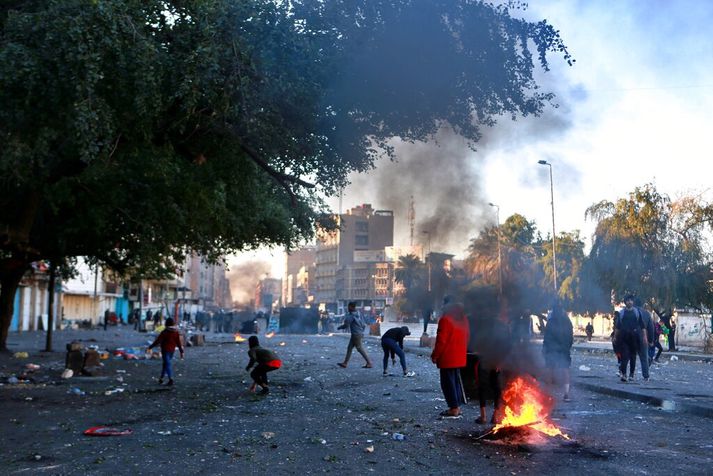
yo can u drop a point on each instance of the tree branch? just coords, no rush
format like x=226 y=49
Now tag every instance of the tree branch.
x=283 y=179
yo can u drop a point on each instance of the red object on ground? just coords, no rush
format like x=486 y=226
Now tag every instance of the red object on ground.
x=107 y=431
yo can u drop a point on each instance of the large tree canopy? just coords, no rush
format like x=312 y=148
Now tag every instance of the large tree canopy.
x=134 y=130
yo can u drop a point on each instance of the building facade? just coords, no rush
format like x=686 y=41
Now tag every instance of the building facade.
x=346 y=260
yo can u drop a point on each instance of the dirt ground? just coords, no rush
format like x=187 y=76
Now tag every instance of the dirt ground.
x=317 y=419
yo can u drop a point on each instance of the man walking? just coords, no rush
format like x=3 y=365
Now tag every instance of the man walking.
x=630 y=328
x=647 y=338
x=356 y=325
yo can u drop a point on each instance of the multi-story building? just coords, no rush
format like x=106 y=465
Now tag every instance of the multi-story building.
x=345 y=262
x=267 y=294
x=299 y=273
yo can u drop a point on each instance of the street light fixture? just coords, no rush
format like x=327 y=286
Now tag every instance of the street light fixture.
x=554 y=236
x=500 y=263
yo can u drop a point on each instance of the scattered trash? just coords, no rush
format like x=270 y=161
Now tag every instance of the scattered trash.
x=13 y=380
x=308 y=379
x=304 y=341
x=268 y=435
x=168 y=432
x=21 y=355
x=107 y=431
x=369 y=449
x=584 y=368
x=121 y=371
x=68 y=373
x=282 y=344
x=114 y=390
x=398 y=437
x=76 y=391
x=674 y=358
x=324 y=442
x=32 y=367
x=37 y=457
x=29 y=399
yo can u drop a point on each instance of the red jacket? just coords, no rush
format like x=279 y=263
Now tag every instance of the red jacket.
x=168 y=339
x=452 y=339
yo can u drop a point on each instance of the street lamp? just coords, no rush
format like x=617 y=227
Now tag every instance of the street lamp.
x=500 y=263
x=552 y=203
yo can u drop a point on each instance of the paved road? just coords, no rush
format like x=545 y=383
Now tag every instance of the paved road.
x=320 y=418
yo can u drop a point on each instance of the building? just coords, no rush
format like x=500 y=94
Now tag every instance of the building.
x=297 y=284
x=346 y=260
x=30 y=307
x=92 y=291
x=267 y=294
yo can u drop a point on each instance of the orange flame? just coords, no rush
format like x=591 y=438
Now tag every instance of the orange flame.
x=238 y=337
x=270 y=334
x=527 y=405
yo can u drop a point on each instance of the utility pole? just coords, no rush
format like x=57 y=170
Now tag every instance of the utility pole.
x=500 y=263
x=411 y=217
x=554 y=235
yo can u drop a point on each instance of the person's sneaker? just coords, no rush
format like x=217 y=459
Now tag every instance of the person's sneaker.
x=264 y=391
x=631 y=378
x=622 y=378
x=160 y=381
x=480 y=421
x=566 y=398
x=342 y=365
x=646 y=379
x=170 y=382
x=385 y=374
x=410 y=374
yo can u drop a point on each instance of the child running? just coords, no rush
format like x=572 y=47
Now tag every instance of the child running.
x=168 y=339
x=266 y=361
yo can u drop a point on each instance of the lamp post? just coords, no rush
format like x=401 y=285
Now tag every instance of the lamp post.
x=500 y=262
x=554 y=236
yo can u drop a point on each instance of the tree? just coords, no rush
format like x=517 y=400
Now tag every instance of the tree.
x=409 y=272
x=654 y=247
x=135 y=131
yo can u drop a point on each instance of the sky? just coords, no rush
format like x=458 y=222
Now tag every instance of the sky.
x=636 y=108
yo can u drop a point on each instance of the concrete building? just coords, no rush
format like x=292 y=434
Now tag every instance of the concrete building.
x=32 y=300
x=346 y=258
x=90 y=293
x=267 y=294
x=297 y=284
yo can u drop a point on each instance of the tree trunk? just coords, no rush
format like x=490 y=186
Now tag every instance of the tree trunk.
x=50 y=305
x=11 y=274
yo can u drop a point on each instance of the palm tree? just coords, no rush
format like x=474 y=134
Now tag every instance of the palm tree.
x=409 y=271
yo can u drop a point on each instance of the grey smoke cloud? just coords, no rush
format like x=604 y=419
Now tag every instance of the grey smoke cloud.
x=243 y=279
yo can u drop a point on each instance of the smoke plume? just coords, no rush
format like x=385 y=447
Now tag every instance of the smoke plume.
x=244 y=277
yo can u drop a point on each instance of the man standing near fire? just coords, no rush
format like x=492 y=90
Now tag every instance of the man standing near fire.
x=356 y=325
x=629 y=330
x=557 y=344
x=450 y=355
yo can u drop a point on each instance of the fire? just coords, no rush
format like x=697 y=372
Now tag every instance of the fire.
x=238 y=337
x=270 y=334
x=527 y=405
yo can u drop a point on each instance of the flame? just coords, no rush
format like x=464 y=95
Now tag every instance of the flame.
x=238 y=337
x=270 y=334
x=527 y=405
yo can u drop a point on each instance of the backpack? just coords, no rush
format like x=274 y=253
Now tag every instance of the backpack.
x=630 y=321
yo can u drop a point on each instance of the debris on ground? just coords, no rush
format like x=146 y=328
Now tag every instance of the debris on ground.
x=21 y=355
x=107 y=431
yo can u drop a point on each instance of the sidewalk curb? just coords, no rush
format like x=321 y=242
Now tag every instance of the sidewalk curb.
x=666 y=404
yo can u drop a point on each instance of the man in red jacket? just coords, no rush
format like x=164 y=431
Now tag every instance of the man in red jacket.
x=449 y=354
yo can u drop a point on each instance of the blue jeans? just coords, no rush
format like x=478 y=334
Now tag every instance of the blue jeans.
x=391 y=347
x=452 y=389
x=166 y=367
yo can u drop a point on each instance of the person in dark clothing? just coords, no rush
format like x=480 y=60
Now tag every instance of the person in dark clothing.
x=493 y=344
x=169 y=339
x=672 y=336
x=647 y=337
x=589 y=330
x=426 y=319
x=392 y=342
x=107 y=314
x=629 y=334
x=557 y=345
x=266 y=361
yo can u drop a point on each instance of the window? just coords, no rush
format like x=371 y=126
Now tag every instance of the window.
x=362 y=226
x=362 y=240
